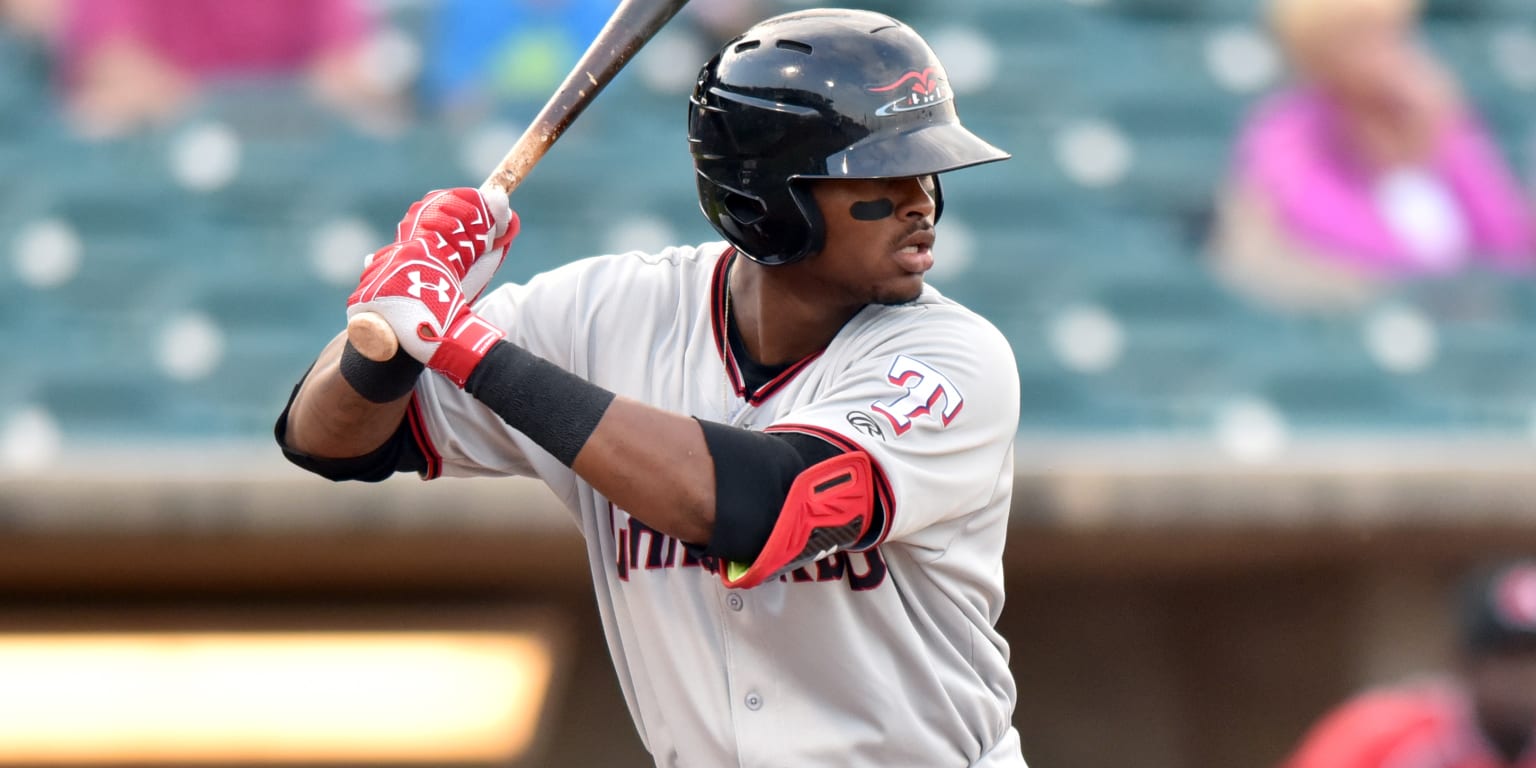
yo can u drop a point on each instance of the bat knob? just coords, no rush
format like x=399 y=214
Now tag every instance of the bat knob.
x=372 y=337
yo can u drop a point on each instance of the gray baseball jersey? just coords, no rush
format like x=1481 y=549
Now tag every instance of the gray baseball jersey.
x=882 y=657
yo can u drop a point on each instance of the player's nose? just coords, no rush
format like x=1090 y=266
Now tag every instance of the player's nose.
x=915 y=199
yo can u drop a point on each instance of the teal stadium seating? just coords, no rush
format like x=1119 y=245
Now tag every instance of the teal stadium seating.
x=237 y=256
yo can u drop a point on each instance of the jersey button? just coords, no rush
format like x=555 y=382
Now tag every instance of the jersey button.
x=754 y=702
x=734 y=601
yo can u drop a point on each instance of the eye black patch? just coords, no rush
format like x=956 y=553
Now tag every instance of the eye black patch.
x=872 y=210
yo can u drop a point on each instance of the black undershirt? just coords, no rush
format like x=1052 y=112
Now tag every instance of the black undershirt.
x=754 y=375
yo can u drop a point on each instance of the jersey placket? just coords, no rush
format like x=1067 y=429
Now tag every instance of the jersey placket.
x=749 y=678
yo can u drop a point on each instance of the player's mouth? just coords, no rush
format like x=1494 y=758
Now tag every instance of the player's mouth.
x=915 y=253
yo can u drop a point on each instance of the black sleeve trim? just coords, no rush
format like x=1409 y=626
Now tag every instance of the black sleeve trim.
x=400 y=453
x=753 y=474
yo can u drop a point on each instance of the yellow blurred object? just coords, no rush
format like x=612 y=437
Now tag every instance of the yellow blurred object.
x=268 y=697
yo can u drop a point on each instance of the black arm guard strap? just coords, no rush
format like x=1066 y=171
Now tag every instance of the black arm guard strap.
x=555 y=408
x=753 y=474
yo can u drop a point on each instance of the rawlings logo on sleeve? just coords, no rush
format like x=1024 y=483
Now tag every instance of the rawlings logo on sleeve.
x=928 y=393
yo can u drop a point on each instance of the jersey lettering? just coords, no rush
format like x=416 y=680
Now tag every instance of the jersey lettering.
x=639 y=547
x=926 y=388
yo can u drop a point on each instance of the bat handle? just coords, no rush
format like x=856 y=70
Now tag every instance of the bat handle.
x=372 y=336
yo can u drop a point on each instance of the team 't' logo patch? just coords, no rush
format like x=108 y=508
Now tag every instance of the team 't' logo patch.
x=918 y=89
x=926 y=390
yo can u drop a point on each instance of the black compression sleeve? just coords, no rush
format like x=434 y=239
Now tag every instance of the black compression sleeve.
x=753 y=474
x=398 y=454
x=555 y=408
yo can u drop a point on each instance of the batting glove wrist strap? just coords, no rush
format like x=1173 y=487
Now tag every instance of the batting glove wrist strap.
x=461 y=349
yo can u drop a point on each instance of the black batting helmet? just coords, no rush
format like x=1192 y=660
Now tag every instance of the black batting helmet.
x=821 y=94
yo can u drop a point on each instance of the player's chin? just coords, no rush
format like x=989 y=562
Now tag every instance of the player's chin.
x=902 y=290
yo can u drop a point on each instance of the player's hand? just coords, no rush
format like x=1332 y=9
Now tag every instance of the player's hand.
x=469 y=230
x=423 y=300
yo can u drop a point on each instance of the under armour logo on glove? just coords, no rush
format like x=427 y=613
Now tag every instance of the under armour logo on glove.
x=415 y=293
x=450 y=244
x=418 y=285
x=426 y=309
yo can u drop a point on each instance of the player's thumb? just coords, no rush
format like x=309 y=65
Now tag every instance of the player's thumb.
x=500 y=208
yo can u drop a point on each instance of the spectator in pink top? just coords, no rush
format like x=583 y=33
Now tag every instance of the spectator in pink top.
x=129 y=62
x=1369 y=169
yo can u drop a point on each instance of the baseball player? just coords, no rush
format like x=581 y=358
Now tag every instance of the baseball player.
x=1483 y=718
x=791 y=460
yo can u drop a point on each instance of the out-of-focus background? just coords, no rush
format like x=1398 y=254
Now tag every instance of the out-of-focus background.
x=1269 y=414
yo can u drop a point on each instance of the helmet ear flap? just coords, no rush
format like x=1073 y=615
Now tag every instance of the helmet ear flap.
x=815 y=236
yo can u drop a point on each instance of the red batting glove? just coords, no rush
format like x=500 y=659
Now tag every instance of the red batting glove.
x=421 y=298
x=469 y=230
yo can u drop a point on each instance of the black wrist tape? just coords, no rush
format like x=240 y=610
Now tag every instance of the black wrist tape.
x=383 y=382
x=555 y=408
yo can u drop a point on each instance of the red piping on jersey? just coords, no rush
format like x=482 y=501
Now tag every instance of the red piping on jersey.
x=423 y=440
x=882 y=483
x=718 y=320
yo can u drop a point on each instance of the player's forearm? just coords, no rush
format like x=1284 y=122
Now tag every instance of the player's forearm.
x=329 y=419
x=654 y=465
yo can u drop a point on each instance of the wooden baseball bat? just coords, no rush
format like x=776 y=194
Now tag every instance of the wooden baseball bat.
x=633 y=24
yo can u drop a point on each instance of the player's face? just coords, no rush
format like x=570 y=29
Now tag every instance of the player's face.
x=879 y=238
x=1504 y=688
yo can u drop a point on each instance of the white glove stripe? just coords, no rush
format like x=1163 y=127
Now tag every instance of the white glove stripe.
x=371 y=286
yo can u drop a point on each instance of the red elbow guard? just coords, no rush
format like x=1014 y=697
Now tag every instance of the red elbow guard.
x=829 y=507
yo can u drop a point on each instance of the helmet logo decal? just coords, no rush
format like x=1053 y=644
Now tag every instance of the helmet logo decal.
x=918 y=90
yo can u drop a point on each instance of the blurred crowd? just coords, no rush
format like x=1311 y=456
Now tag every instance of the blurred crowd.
x=1368 y=168
x=123 y=65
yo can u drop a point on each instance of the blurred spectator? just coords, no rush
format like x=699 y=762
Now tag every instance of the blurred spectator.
x=482 y=54
x=1484 y=717
x=127 y=63
x=1370 y=167
x=486 y=56
x=32 y=18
